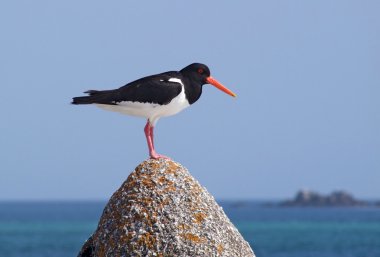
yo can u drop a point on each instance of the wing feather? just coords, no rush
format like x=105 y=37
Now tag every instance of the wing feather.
x=156 y=89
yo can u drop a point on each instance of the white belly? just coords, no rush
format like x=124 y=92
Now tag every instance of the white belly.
x=150 y=111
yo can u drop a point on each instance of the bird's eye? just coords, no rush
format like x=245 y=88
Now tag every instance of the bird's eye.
x=200 y=70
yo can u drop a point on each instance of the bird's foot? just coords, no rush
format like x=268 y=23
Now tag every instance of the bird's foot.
x=155 y=155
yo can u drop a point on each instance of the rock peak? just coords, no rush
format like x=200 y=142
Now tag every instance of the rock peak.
x=161 y=210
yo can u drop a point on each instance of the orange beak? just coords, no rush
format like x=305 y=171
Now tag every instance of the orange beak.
x=215 y=83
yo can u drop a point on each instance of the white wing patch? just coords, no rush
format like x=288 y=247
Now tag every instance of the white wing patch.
x=176 y=80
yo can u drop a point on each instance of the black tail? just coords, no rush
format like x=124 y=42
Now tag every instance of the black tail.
x=94 y=96
x=82 y=100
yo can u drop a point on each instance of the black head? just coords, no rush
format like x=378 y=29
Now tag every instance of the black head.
x=197 y=72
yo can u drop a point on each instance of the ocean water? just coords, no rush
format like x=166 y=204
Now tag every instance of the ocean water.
x=58 y=229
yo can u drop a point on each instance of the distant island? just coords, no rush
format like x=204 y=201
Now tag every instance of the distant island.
x=306 y=198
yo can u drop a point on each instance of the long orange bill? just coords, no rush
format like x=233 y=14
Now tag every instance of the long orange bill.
x=216 y=84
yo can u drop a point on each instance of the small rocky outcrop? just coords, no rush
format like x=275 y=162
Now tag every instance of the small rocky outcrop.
x=161 y=210
x=309 y=198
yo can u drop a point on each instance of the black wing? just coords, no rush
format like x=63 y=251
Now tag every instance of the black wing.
x=152 y=89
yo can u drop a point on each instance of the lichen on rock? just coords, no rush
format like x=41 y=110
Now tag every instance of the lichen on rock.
x=161 y=210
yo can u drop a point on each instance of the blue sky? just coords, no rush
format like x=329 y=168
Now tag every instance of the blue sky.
x=306 y=73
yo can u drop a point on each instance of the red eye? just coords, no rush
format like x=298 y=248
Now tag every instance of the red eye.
x=200 y=70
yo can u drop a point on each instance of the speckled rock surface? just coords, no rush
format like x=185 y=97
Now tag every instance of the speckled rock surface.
x=161 y=210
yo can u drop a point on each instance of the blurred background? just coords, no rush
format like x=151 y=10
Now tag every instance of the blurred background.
x=306 y=116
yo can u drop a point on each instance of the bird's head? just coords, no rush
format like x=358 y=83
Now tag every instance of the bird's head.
x=200 y=74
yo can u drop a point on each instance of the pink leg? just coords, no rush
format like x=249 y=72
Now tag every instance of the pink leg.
x=151 y=134
x=149 y=139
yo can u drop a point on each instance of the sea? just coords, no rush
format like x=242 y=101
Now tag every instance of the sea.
x=59 y=229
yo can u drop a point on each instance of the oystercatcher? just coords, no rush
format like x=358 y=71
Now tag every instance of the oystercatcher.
x=155 y=96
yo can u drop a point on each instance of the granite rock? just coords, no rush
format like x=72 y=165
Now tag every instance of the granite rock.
x=161 y=210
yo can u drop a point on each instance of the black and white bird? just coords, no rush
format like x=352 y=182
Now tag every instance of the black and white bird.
x=155 y=96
